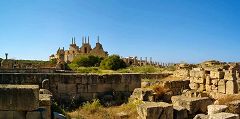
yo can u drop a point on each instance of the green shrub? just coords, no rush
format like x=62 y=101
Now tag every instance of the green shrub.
x=53 y=61
x=88 y=70
x=113 y=62
x=87 y=61
x=92 y=107
x=73 y=66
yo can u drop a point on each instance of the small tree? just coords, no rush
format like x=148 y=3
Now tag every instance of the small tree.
x=113 y=62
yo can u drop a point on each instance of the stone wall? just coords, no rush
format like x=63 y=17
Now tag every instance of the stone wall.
x=176 y=86
x=32 y=70
x=68 y=86
x=214 y=80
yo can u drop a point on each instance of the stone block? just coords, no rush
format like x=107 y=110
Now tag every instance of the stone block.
x=91 y=88
x=224 y=115
x=120 y=87
x=215 y=82
x=19 y=97
x=145 y=84
x=155 y=110
x=194 y=86
x=82 y=88
x=104 y=87
x=208 y=88
x=87 y=96
x=33 y=115
x=213 y=109
x=45 y=102
x=200 y=74
x=200 y=80
x=67 y=88
x=231 y=87
x=208 y=80
x=234 y=107
x=192 y=104
x=40 y=113
x=84 y=79
x=44 y=91
x=222 y=86
x=12 y=115
x=201 y=116
x=134 y=83
x=142 y=94
x=217 y=74
x=201 y=87
x=180 y=112
x=44 y=99
x=214 y=87
x=230 y=75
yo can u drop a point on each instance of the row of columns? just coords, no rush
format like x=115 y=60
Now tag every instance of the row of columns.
x=145 y=61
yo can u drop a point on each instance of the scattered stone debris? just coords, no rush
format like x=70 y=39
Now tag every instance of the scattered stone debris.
x=206 y=84
x=155 y=110
x=213 y=109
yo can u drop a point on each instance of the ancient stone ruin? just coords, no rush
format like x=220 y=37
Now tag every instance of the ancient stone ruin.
x=24 y=102
x=198 y=93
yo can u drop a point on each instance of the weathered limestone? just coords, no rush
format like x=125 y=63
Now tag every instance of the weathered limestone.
x=143 y=94
x=193 y=93
x=201 y=116
x=234 y=107
x=208 y=88
x=179 y=112
x=192 y=104
x=223 y=115
x=155 y=110
x=176 y=86
x=181 y=73
x=231 y=87
x=230 y=75
x=65 y=86
x=208 y=80
x=222 y=86
x=19 y=97
x=217 y=74
x=12 y=115
x=38 y=114
x=213 y=109
x=45 y=102
x=214 y=80
x=145 y=84
x=194 y=86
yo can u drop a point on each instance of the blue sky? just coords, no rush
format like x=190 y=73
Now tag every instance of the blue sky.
x=167 y=30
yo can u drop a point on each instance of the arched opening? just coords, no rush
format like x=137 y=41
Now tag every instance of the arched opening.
x=85 y=50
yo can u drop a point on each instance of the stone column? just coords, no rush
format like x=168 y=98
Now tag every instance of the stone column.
x=6 y=54
x=145 y=60
x=150 y=60
x=140 y=61
x=135 y=61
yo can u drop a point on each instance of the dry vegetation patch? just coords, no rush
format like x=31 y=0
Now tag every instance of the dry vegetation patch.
x=94 y=110
x=228 y=98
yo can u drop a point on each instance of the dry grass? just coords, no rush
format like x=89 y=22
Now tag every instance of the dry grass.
x=228 y=98
x=159 y=89
x=106 y=113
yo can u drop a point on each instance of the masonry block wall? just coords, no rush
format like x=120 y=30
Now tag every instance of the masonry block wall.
x=68 y=86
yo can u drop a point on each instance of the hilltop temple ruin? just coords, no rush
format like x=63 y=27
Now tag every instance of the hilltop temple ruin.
x=75 y=50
